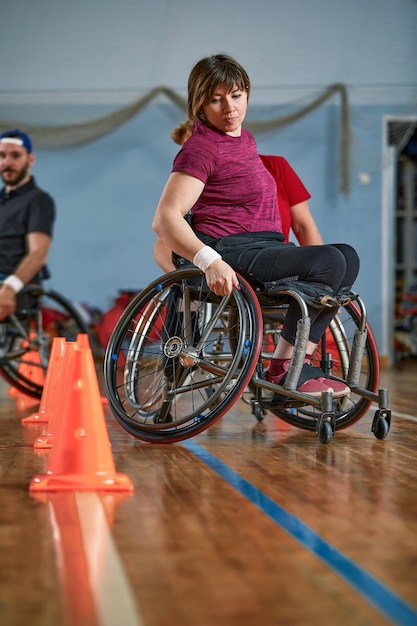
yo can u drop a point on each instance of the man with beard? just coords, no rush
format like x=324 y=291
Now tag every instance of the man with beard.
x=27 y=214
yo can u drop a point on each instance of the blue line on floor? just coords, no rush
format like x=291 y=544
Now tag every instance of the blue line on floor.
x=382 y=598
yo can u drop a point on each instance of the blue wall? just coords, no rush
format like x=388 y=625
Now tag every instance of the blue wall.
x=107 y=190
x=78 y=61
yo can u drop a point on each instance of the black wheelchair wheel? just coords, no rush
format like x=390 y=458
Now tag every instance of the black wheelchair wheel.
x=333 y=355
x=169 y=370
x=26 y=337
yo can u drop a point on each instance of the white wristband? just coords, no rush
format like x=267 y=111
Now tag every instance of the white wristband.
x=205 y=257
x=14 y=282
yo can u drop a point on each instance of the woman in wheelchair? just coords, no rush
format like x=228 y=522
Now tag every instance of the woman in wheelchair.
x=237 y=225
x=293 y=200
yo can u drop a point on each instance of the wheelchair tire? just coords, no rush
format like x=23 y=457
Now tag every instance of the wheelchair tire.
x=26 y=337
x=168 y=368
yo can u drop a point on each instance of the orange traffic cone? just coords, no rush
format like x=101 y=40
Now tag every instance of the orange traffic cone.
x=57 y=394
x=13 y=392
x=81 y=458
x=30 y=368
x=25 y=402
x=46 y=441
x=83 y=341
x=50 y=385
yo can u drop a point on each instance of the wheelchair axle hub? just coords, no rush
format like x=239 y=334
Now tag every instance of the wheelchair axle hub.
x=173 y=347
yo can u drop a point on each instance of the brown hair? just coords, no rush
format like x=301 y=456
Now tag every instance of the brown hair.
x=207 y=75
x=179 y=134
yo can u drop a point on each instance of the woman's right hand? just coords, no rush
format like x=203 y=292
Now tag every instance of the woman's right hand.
x=221 y=278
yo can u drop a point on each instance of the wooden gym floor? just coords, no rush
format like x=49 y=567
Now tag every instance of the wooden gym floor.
x=249 y=524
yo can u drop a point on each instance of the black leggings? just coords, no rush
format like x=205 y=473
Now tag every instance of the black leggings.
x=335 y=265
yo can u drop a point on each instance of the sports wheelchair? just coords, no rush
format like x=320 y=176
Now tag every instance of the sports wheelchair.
x=26 y=336
x=180 y=357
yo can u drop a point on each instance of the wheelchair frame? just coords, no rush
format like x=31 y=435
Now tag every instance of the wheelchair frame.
x=180 y=357
x=26 y=336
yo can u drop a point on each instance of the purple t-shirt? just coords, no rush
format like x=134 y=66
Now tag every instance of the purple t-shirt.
x=239 y=195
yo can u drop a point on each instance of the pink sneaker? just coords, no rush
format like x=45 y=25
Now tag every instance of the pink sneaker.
x=313 y=385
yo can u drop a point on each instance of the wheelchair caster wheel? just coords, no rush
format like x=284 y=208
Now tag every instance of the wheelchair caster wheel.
x=326 y=425
x=381 y=423
x=258 y=412
x=381 y=428
x=326 y=432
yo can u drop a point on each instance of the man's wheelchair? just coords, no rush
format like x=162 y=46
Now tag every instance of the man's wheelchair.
x=26 y=336
x=180 y=357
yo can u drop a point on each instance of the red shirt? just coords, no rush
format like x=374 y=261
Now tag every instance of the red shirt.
x=290 y=189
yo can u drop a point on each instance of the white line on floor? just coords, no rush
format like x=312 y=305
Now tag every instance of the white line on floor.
x=109 y=584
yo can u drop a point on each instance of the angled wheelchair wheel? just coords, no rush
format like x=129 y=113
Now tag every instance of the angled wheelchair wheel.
x=333 y=356
x=169 y=368
x=26 y=337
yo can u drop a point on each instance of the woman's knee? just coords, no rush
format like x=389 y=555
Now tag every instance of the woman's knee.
x=329 y=266
x=352 y=263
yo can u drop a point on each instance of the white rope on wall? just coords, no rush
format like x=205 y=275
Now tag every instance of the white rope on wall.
x=72 y=135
